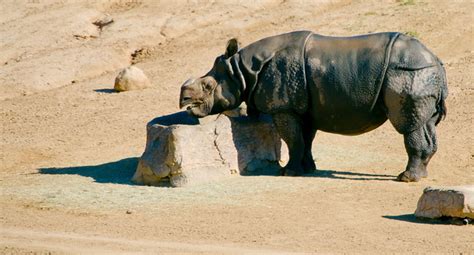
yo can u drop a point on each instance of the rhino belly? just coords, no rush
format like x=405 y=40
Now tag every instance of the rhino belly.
x=341 y=113
x=343 y=80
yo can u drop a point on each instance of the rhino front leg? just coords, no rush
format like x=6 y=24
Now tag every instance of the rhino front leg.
x=289 y=128
x=308 y=135
x=420 y=145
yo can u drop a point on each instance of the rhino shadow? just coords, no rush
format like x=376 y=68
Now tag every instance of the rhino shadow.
x=273 y=168
x=332 y=174
x=439 y=221
x=178 y=118
x=117 y=172
x=345 y=175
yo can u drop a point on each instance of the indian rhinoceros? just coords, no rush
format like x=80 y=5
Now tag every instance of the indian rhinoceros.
x=343 y=85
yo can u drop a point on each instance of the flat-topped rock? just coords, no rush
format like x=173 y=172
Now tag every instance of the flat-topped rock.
x=446 y=201
x=184 y=150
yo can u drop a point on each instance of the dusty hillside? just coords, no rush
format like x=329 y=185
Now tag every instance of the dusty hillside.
x=69 y=145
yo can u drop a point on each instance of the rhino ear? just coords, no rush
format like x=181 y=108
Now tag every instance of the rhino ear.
x=232 y=47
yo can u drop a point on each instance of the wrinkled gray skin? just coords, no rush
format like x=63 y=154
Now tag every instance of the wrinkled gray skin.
x=342 y=85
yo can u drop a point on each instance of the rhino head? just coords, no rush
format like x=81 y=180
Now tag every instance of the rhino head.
x=217 y=91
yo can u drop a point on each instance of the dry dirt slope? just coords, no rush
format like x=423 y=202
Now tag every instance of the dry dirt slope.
x=69 y=146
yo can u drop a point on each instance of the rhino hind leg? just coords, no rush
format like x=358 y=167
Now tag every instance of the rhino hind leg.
x=420 y=145
x=411 y=99
x=289 y=127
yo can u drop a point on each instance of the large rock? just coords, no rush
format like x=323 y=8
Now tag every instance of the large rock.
x=131 y=78
x=448 y=201
x=184 y=150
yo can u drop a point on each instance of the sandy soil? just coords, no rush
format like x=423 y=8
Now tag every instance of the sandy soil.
x=69 y=146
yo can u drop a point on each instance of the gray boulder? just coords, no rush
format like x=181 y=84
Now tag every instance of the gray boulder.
x=446 y=201
x=182 y=150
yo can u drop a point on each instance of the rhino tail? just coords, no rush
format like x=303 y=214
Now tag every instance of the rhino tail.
x=441 y=108
x=442 y=111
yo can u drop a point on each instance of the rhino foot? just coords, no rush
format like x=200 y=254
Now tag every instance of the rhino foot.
x=309 y=166
x=291 y=172
x=412 y=176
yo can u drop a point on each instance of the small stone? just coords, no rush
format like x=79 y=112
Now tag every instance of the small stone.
x=455 y=202
x=131 y=78
x=128 y=212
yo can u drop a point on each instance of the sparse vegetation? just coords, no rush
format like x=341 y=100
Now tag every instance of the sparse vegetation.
x=370 y=13
x=406 y=2
x=412 y=33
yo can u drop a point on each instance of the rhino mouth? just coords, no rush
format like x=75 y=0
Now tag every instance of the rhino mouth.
x=189 y=104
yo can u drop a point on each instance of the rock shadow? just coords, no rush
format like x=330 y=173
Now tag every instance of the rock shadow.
x=118 y=172
x=106 y=91
x=440 y=221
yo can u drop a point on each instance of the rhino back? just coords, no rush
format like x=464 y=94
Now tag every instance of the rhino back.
x=410 y=54
x=345 y=75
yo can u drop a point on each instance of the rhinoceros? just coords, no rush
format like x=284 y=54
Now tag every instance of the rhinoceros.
x=342 y=85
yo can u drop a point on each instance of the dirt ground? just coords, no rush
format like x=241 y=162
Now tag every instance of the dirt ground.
x=69 y=145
